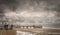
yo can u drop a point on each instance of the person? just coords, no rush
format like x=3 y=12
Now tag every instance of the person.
x=6 y=26
x=11 y=27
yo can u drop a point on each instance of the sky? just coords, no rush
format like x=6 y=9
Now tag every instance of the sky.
x=31 y=12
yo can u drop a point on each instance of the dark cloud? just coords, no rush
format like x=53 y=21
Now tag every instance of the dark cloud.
x=31 y=8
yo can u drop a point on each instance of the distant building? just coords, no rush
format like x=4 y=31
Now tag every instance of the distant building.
x=33 y=26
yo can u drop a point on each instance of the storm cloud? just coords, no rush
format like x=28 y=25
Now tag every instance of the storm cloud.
x=31 y=12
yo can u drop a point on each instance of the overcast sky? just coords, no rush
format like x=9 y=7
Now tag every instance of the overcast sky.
x=31 y=12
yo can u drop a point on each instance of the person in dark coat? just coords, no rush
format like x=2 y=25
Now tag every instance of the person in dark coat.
x=6 y=26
